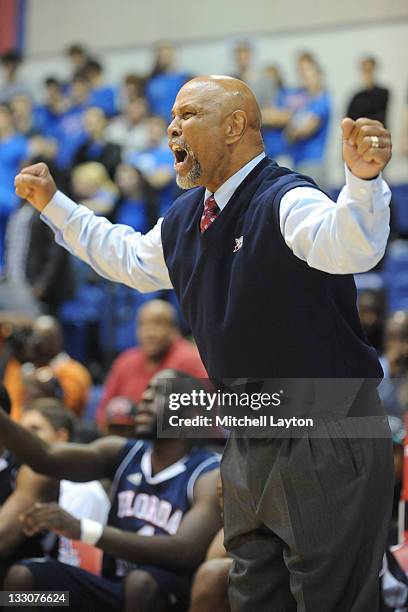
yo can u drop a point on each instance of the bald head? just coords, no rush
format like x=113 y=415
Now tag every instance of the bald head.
x=157 y=328
x=158 y=309
x=49 y=339
x=397 y=326
x=215 y=130
x=230 y=95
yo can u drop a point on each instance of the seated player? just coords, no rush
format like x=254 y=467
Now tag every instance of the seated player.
x=20 y=488
x=54 y=423
x=163 y=517
x=210 y=587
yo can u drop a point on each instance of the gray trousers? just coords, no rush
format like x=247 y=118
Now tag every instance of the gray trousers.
x=306 y=519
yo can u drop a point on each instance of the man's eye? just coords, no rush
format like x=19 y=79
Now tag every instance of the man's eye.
x=187 y=115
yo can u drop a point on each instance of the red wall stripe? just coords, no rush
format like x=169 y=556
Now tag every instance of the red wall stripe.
x=8 y=25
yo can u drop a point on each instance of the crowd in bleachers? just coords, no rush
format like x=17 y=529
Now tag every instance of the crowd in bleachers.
x=77 y=353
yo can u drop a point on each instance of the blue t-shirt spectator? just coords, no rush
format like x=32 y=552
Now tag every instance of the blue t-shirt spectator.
x=274 y=138
x=47 y=121
x=13 y=151
x=312 y=148
x=133 y=212
x=105 y=98
x=151 y=161
x=161 y=91
x=70 y=134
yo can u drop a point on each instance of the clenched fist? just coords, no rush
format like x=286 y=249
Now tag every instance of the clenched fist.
x=366 y=146
x=36 y=185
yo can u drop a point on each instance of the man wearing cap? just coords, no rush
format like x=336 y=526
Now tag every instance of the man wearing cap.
x=120 y=417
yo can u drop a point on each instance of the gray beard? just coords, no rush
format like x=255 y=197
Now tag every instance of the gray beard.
x=190 y=179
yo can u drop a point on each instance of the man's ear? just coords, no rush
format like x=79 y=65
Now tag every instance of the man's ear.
x=235 y=126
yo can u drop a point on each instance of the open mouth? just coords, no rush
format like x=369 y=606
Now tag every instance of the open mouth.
x=180 y=155
x=181 y=158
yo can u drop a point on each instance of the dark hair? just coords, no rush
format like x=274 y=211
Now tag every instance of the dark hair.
x=51 y=80
x=55 y=413
x=370 y=59
x=76 y=48
x=92 y=65
x=11 y=56
x=306 y=56
x=81 y=75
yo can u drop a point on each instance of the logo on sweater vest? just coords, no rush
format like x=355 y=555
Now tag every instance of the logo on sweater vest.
x=135 y=479
x=238 y=243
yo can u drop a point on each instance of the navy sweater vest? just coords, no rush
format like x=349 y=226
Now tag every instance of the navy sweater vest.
x=255 y=309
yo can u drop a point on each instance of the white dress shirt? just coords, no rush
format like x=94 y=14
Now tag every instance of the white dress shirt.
x=343 y=237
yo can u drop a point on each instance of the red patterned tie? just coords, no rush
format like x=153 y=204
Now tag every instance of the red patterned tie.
x=210 y=213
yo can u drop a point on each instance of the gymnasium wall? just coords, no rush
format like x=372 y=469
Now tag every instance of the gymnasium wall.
x=121 y=34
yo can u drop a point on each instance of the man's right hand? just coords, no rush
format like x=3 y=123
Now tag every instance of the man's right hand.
x=36 y=185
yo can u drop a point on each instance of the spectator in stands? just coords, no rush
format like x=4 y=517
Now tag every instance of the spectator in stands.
x=121 y=417
x=39 y=383
x=20 y=488
x=160 y=347
x=78 y=57
x=70 y=131
x=163 y=517
x=96 y=147
x=263 y=87
x=164 y=81
x=275 y=116
x=15 y=349
x=132 y=87
x=34 y=260
x=372 y=100
x=304 y=59
x=308 y=127
x=55 y=104
x=371 y=307
x=28 y=122
x=14 y=149
x=130 y=130
x=24 y=119
x=395 y=364
x=101 y=95
x=10 y=85
x=156 y=164
x=54 y=424
x=92 y=184
x=34 y=366
x=72 y=375
x=395 y=358
x=135 y=206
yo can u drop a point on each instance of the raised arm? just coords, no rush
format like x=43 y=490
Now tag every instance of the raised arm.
x=183 y=551
x=77 y=462
x=350 y=235
x=116 y=252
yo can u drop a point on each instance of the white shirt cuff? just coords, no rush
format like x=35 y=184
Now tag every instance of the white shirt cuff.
x=58 y=210
x=363 y=190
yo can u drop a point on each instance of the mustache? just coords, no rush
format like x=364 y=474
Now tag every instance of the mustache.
x=182 y=143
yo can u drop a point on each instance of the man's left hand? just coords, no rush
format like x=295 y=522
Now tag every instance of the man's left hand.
x=51 y=517
x=366 y=147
